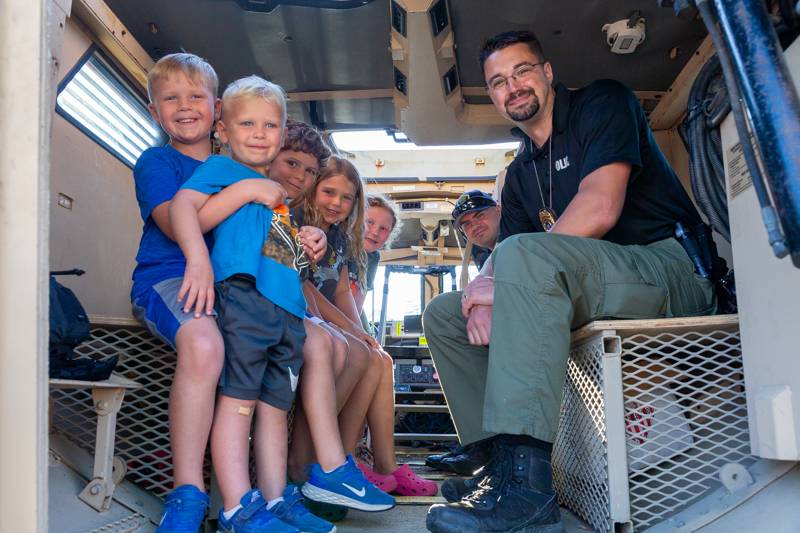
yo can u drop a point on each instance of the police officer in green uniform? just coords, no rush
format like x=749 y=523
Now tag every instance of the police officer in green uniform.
x=589 y=212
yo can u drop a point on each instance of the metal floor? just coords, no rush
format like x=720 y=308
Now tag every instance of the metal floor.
x=68 y=514
x=774 y=508
x=135 y=511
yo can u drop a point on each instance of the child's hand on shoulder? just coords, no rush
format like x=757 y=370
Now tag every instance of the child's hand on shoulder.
x=268 y=192
x=197 y=289
x=314 y=242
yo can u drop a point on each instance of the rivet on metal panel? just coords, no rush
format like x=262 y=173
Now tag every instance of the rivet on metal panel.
x=65 y=201
x=735 y=477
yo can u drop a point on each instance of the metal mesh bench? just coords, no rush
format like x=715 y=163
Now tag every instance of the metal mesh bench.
x=142 y=429
x=107 y=397
x=652 y=411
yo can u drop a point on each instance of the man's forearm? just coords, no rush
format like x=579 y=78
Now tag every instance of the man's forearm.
x=586 y=216
x=597 y=206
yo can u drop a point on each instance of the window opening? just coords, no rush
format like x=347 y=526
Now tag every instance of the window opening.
x=362 y=140
x=404 y=293
x=96 y=99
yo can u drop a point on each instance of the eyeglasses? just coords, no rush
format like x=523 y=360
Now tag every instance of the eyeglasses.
x=522 y=72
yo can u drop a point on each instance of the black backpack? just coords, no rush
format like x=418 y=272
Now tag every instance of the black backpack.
x=69 y=326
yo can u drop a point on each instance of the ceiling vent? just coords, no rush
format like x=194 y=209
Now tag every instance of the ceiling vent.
x=439 y=18
x=398 y=18
x=267 y=6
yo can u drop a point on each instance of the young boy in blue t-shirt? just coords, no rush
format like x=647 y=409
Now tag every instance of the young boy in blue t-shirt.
x=256 y=259
x=183 y=99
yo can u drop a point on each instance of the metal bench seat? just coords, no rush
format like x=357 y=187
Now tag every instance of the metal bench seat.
x=108 y=472
x=653 y=411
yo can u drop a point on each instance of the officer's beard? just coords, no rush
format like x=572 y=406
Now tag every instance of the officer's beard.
x=522 y=114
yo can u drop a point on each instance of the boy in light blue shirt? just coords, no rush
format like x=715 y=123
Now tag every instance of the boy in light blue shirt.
x=258 y=258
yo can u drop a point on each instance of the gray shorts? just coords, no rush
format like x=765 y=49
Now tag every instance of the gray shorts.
x=263 y=345
x=160 y=311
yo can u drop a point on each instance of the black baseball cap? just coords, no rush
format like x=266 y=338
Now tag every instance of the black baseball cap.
x=473 y=200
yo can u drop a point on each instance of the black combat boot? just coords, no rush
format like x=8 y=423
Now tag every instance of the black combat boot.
x=516 y=495
x=455 y=488
x=465 y=460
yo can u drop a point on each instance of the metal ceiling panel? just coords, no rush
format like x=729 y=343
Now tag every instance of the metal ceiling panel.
x=300 y=48
x=570 y=33
x=312 y=49
x=345 y=114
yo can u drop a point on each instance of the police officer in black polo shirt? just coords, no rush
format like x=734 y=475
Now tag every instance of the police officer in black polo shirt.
x=589 y=209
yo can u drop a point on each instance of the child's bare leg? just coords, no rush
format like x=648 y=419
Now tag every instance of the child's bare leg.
x=319 y=405
x=316 y=409
x=301 y=451
x=354 y=412
x=380 y=418
x=230 y=448
x=271 y=447
x=191 y=399
x=349 y=364
x=340 y=349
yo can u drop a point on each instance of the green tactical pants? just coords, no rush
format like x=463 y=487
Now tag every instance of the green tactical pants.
x=544 y=287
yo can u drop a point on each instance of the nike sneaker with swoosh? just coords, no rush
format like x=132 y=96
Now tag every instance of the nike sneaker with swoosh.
x=345 y=486
x=293 y=378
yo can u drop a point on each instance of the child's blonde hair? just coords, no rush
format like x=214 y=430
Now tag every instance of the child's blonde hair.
x=193 y=67
x=377 y=200
x=255 y=87
x=351 y=227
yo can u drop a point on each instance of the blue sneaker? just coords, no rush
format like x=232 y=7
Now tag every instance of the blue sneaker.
x=184 y=510
x=345 y=486
x=326 y=511
x=292 y=511
x=253 y=517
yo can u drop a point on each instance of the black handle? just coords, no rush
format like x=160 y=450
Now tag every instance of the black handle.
x=73 y=272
